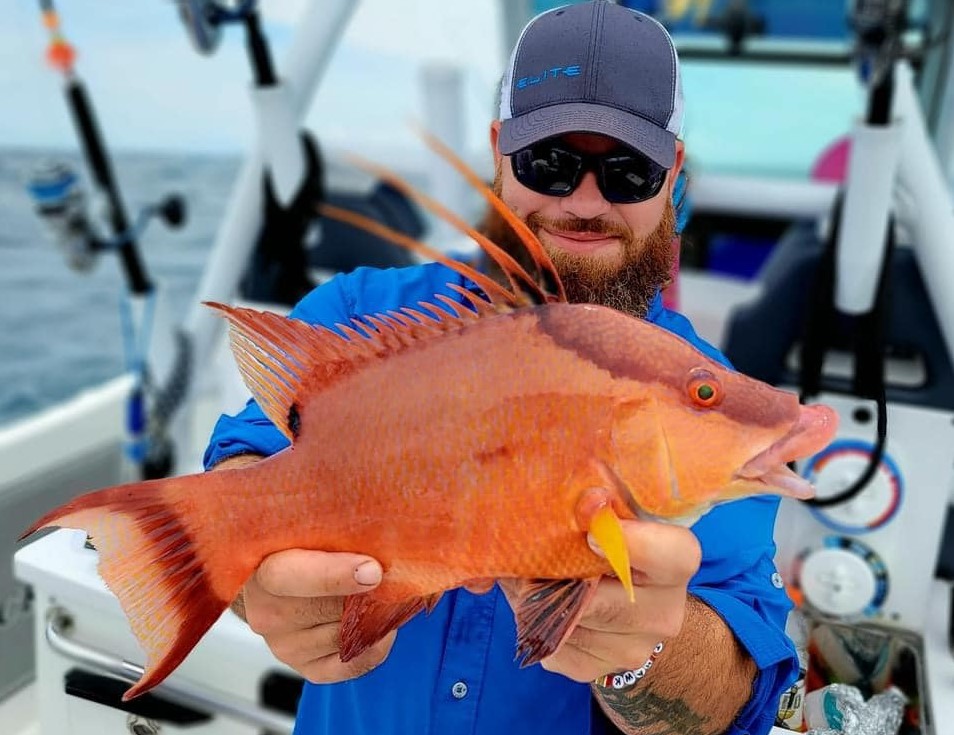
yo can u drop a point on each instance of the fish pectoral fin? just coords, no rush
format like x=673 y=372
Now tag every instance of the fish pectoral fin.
x=367 y=619
x=546 y=611
x=607 y=531
x=595 y=513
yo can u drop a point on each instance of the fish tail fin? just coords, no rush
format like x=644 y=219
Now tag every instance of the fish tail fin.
x=171 y=586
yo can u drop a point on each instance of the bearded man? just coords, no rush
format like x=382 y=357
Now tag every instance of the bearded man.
x=586 y=152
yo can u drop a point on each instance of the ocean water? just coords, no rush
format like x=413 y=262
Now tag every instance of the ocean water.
x=60 y=330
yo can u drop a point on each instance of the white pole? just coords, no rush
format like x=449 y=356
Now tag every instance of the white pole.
x=862 y=241
x=279 y=140
x=442 y=91
x=320 y=28
x=926 y=187
x=753 y=196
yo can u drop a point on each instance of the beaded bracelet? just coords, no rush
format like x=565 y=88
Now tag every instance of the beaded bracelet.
x=627 y=679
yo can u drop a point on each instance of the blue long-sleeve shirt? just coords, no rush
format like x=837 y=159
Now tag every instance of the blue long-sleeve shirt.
x=453 y=671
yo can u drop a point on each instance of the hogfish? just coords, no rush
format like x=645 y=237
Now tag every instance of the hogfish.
x=454 y=441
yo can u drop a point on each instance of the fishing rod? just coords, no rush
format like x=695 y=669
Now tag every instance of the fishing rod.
x=61 y=204
x=62 y=56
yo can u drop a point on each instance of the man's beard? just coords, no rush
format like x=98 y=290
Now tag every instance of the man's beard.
x=628 y=285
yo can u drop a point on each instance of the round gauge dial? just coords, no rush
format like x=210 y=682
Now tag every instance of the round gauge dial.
x=843 y=578
x=837 y=468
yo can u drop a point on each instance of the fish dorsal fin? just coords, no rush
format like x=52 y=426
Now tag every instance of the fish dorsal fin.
x=281 y=358
x=525 y=289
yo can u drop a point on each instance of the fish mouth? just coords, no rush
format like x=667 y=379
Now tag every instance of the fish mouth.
x=814 y=430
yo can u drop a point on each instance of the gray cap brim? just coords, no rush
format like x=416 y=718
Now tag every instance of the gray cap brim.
x=650 y=139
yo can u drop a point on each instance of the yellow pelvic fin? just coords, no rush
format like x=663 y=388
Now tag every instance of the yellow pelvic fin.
x=607 y=531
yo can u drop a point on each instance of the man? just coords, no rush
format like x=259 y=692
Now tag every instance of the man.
x=586 y=152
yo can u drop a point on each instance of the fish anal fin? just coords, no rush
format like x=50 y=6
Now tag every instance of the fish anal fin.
x=546 y=611
x=368 y=618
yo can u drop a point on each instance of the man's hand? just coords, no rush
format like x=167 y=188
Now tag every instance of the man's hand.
x=295 y=601
x=615 y=634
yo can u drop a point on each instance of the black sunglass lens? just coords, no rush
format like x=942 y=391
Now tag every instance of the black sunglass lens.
x=628 y=179
x=547 y=169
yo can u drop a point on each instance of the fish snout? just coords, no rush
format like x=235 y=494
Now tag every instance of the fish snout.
x=811 y=433
x=815 y=429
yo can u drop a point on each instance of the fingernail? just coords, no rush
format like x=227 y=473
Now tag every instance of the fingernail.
x=595 y=546
x=368 y=573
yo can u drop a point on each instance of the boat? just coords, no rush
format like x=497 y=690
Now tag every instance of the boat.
x=877 y=566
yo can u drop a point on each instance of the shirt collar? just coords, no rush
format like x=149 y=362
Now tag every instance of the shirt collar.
x=655 y=308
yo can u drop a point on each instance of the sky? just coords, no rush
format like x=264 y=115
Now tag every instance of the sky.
x=152 y=91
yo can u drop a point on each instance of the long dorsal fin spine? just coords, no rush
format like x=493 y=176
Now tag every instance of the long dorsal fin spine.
x=351 y=334
x=508 y=265
x=415 y=314
x=482 y=305
x=529 y=240
x=277 y=368
x=493 y=289
x=460 y=311
x=435 y=312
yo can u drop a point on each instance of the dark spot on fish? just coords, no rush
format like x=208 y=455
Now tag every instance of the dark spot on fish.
x=294 y=420
x=487 y=455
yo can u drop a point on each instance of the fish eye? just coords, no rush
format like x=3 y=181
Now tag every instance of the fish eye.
x=704 y=388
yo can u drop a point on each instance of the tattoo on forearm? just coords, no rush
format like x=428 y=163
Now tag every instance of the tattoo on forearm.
x=647 y=711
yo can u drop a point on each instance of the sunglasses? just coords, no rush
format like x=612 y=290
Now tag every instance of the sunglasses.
x=552 y=168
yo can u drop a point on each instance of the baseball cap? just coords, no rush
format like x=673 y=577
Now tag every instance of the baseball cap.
x=593 y=67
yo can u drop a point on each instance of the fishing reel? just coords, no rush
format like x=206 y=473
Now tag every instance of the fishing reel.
x=63 y=206
x=877 y=21
x=737 y=22
x=203 y=20
x=61 y=203
x=879 y=26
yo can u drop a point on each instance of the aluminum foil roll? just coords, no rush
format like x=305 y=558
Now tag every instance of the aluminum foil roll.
x=839 y=709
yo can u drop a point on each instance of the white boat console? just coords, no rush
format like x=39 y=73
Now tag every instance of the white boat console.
x=84 y=648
